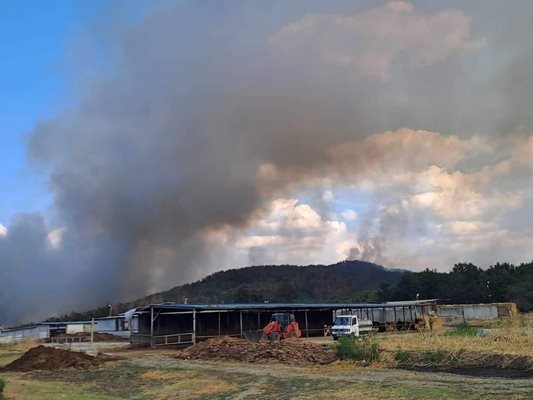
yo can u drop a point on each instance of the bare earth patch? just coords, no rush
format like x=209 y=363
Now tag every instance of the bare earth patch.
x=48 y=358
x=288 y=351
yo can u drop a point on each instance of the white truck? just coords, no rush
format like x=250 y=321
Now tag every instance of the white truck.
x=351 y=325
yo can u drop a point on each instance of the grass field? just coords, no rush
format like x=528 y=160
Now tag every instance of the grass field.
x=149 y=374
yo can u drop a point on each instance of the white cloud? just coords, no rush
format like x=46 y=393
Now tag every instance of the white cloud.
x=3 y=231
x=349 y=215
x=55 y=237
x=289 y=232
x=328 y=196
x=372 y=40
x=425 y=208
x=400 y=150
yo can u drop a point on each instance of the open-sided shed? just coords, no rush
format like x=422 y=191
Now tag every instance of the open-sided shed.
x=174 y=323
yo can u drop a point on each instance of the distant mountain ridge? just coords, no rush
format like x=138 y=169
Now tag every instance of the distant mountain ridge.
x=343 y=281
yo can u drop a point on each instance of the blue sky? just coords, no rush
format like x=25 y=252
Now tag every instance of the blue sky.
x=33 y=38
x=35 y=42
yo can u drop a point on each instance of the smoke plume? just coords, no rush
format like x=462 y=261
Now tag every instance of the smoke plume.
x=212 y=111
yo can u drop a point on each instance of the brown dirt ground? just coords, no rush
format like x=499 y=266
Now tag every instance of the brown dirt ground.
x=48 y=358
x=97 y=337
x=290 y=351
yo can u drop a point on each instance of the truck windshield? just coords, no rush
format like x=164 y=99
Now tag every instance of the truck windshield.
x=343 y=321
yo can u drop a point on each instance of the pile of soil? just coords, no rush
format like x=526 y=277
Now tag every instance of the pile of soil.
x=98 y=337
x=290 y=351
x=48 y=358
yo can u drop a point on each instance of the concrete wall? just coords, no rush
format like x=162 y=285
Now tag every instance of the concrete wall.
x=72 y=329
x=471 y=312
x=107 y=325
x=115 y=326
x=39 y=332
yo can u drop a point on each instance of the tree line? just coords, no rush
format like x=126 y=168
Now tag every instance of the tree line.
x=465 y=283
x=348 y=281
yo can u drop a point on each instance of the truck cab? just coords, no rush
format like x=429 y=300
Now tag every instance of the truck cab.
x=350 y=325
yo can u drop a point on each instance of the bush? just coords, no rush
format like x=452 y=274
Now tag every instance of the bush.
x=364 y=348
x=2 y=386
x=402 y=356
x=464 y=329
x=426 y=358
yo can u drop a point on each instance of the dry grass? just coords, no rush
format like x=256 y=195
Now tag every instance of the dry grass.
x=505 y=348
x=160 y=375
x=186 y=385
x=22 y=346
x=524 y=320
x=504 y=341
x=12 y=351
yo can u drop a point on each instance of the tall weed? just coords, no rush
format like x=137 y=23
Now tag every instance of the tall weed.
x=363 y=348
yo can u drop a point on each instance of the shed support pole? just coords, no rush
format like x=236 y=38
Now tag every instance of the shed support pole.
x=240 y=321
x=306 y=326
x=258 y=321
x=152 y=344
x=403 y=309
x=395 y=319
x=193 y=326
x=219 y=324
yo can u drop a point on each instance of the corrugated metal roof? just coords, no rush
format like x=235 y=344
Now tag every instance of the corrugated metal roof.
x=281 y=306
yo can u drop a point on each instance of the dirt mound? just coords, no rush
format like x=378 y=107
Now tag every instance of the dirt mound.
x=291 y=351
x=98 y=337
x=48 y=358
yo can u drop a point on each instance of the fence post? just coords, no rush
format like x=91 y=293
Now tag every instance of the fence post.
x=193 y=326
x=152 y=327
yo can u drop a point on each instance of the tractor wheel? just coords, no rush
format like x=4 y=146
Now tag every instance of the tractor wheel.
x=292 y=334
x=275 y=336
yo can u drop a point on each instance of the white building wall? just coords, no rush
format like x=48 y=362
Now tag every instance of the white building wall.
x=39 y=332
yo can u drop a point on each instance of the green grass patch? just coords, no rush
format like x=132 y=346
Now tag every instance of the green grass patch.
x=464 y=329
x=363 y=348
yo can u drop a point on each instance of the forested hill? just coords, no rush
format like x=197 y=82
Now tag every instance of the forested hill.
x=354 y=281
x=344 y=281
x=284 y=283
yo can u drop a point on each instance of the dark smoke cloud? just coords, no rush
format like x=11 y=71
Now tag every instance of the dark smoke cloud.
x=171 y=143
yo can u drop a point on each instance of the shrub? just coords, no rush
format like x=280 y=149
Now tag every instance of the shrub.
x=2 y=386
x=364 y=348
x=402 y=356
x=464 y=329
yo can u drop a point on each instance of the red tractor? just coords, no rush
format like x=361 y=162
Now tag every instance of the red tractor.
x=282 y=326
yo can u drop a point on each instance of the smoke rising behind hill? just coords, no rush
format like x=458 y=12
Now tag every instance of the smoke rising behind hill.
x=214 y=116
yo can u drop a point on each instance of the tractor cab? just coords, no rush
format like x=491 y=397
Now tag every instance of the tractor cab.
x=284 y=319
x=281 y=326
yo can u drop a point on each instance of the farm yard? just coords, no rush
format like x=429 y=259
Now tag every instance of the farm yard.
x=451 y=364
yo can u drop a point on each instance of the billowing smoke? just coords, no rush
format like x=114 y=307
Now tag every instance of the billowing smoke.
x=212 y=111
